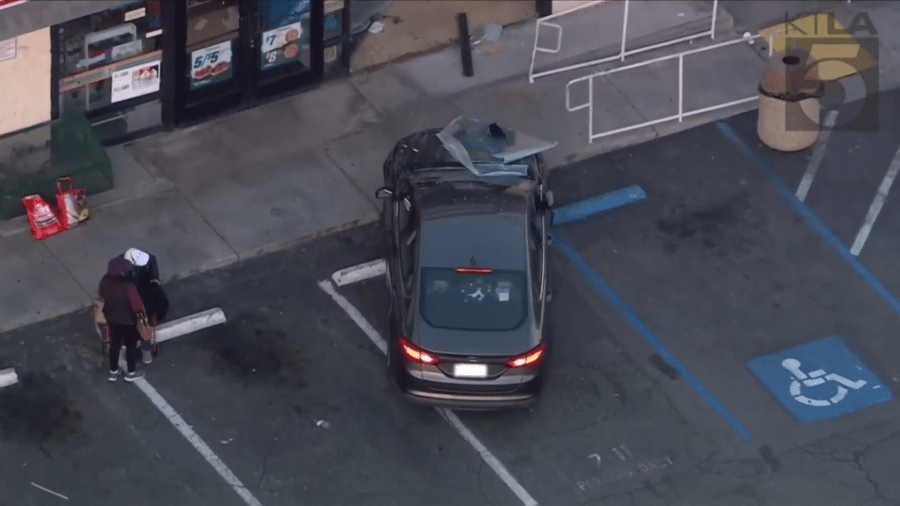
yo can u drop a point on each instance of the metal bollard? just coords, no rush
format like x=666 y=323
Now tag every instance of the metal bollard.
x=789 y=108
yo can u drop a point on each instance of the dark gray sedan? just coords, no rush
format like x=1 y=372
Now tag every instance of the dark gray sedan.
x=467 y=269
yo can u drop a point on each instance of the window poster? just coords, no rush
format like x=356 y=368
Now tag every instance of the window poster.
x=135 y=81
x=211 y=65
x=282 y=45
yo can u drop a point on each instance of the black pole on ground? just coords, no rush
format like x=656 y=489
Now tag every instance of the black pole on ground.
x=544 y=8
x=465 y=44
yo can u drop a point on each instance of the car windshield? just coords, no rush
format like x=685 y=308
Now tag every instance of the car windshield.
x=473 y=301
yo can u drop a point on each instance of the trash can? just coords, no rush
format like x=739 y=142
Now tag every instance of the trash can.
x=789 y=108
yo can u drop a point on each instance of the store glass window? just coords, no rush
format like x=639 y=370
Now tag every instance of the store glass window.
x=284 y=32
x=110 y=57
x=334 y=19
x=213 y=32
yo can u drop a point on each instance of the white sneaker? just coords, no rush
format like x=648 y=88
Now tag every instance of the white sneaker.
x=131 y=376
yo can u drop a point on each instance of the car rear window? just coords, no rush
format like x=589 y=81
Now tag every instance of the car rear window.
x=474 y=301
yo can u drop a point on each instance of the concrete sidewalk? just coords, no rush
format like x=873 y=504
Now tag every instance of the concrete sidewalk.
x=283 y=173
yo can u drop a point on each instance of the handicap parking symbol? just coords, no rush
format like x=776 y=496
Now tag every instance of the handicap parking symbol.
x=819 y=380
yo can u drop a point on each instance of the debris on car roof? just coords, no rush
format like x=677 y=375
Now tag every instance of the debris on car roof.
x=492 y=147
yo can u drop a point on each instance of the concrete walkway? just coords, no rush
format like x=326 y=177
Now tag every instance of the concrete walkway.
x=280 y=174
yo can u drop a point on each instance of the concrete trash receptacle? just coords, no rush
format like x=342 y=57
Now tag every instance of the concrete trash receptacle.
x=789 y=106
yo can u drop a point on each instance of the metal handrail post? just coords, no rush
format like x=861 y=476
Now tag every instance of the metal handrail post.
x=591 y=110
x=624 y=31
x=680 y=87
x=537 y=29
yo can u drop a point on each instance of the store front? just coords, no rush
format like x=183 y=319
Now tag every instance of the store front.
x=234 y=54
x=149 y=65
x=112 y=66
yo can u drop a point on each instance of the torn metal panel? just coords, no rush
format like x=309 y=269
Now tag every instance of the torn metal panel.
x=487 y=149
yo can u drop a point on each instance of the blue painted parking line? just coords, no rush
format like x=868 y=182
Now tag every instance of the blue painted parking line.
x=819 y=380
x=654 y=341
x=854 y=262
x=594 y=205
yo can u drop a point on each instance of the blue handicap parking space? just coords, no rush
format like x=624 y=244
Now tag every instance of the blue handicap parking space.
x=820 y=380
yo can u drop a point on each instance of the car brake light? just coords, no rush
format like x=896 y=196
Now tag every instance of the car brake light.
x=416 y=354
x=530 y=358
x=473 y=270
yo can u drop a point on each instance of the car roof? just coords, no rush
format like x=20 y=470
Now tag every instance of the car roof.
x=423 y=153
x=464 y=221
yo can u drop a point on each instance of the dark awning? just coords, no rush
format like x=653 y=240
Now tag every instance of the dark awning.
x=33 y=15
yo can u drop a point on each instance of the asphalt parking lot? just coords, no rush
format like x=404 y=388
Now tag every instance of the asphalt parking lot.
x=658 y=308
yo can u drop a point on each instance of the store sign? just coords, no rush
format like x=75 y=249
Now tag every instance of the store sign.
x=281 y=45
x=135 y=81
x=211 y=65
x=10 y=3
x=8 y=49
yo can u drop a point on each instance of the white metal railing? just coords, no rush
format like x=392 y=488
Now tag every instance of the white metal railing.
x=589 y=105
x=623 y=52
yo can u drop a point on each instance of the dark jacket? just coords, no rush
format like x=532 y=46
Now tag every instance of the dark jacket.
x=120 y=296
x=146 y=278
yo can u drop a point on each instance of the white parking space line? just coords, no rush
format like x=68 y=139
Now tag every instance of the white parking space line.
x=446 y=414
x=877 y=204
x=818 y=154
x=35 y=485
x=488 y=457
x=195 y=440
x=355 y=315
x=170 y=330
x=8 y=377
x=188 y=324
x=359 y=272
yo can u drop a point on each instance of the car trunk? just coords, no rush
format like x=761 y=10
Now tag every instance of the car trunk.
x=467 y=343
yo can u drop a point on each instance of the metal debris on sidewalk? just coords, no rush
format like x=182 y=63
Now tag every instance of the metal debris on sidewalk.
x=490 y=32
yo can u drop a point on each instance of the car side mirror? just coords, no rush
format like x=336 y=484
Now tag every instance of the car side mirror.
x=548 y=198
x=385 y=192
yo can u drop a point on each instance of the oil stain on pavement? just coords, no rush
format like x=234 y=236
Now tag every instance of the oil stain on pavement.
x=37 y=410
x=250 y=349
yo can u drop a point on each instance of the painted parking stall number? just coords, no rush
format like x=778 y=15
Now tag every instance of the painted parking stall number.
x=619 y=464
x=820 y=380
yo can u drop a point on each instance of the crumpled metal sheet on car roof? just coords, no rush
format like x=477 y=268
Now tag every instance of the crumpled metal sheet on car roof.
x=492 y=147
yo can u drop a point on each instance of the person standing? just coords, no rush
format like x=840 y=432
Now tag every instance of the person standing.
x=122 y=306
x=145 y=274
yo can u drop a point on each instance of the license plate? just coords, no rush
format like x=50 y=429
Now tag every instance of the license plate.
x=470 y=370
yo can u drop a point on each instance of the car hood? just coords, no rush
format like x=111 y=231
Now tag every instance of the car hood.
x=475 y=343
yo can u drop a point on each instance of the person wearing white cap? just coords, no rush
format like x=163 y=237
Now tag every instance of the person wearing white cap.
x=146 y=278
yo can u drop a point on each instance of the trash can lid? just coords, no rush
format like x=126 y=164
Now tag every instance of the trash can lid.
x=137 y=257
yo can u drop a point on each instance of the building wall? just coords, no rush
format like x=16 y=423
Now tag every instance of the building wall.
x=25 y=82
x=567 y=5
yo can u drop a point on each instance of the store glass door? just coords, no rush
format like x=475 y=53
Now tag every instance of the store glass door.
x=238 y=53
x=212 y=80
x=288 y=38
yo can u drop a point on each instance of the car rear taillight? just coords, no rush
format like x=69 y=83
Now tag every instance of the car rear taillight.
x=416 y=354
x=473 y=270
x=530 y=358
